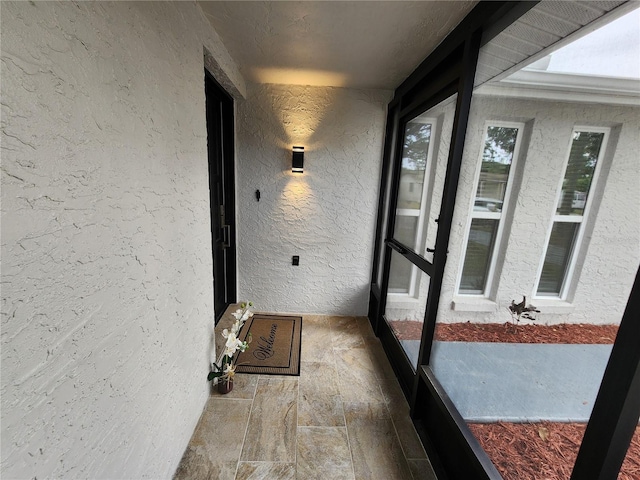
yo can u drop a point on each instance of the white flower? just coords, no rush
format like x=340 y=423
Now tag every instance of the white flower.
x=232 y=344
x=236 y=327
x=243 y=313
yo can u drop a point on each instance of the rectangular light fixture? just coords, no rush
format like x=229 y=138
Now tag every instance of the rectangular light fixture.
x=297 y=162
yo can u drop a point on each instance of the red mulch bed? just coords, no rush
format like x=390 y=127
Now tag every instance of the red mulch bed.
x=519 y=450
x=537 y=451
x=407 y=329
x=505 y=333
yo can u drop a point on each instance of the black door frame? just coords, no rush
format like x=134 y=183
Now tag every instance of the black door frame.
x=454 y=451
x=404 y=370
x=221 y=155
x=448 y=70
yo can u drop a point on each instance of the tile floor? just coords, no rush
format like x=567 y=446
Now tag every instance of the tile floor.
x=344 y=417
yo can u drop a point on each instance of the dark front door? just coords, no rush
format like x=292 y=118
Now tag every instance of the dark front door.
x=221 y=191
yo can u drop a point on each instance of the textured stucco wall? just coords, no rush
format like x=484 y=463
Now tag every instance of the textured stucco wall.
x=606 y=271
x=326 y=215
x=106 y=250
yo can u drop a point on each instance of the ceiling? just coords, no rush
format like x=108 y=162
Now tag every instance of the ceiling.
x=357 y=44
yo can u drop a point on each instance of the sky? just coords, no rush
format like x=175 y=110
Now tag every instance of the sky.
x=613 y=51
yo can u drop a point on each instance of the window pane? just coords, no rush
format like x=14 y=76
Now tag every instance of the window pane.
x=482 y=236
x=399 y=274
x=405 y=315
x=583 y=157
x=497 y=157
x=414 y=163
x=415 y=153
x=557 y=258
x=406 y=229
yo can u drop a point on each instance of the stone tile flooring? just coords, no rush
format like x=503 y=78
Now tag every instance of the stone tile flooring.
x=344 y=417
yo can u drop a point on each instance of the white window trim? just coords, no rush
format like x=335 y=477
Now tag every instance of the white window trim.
x=421 y=213
x=581 y=219
x=506 y=207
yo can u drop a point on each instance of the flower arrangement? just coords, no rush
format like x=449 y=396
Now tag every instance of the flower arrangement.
x=225 y=370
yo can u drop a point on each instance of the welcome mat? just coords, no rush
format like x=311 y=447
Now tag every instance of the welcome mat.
x=275 y=345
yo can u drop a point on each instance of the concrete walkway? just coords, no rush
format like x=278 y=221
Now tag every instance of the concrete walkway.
x=517 y=382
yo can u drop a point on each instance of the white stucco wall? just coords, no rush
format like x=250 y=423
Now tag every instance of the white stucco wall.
x=107 y=305
x=326 y=215
x=607 y=268
x=610 y=251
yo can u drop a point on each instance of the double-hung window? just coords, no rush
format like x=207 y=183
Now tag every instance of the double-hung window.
x=493 y=186
x=572 y=207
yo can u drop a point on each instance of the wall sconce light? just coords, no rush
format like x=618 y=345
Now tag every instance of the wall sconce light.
x=297 y=162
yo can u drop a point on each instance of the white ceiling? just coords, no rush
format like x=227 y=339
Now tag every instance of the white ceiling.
x=358 y=44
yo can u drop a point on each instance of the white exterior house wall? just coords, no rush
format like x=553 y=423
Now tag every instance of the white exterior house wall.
x=326 y=215
x=107 y=304
x=608 y=260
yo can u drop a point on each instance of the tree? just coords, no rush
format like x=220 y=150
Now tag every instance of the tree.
x=585 y=148
x=498 y=149
x=416 y=146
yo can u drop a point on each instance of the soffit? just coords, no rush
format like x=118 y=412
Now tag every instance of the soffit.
x=548 y=26
x=357 y=44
